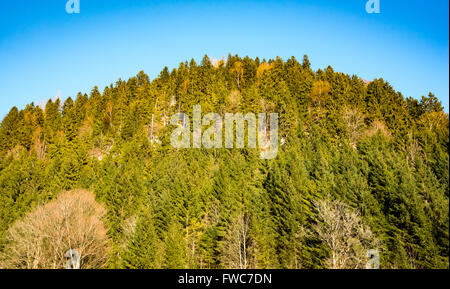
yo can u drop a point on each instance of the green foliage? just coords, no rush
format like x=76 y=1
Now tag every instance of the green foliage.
x=344 y=138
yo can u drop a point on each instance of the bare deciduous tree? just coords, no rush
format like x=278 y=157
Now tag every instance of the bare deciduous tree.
x=235 y=253
x=320 y=92
x=238 y=71
x=342 y=230
x=41 y=239
x=355 y=123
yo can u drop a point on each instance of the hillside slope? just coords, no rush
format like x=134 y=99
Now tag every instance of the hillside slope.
x=361 y=165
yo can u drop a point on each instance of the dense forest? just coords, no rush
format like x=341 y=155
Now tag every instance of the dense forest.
x=360 y=167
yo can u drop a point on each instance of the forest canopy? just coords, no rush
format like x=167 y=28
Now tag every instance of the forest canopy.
x=360 y=167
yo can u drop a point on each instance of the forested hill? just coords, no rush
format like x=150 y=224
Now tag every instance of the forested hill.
x=362 y=167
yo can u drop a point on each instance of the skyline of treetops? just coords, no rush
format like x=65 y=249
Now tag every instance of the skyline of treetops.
x=359 y=167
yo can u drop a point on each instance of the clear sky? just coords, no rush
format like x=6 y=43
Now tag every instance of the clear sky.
x=45 y=51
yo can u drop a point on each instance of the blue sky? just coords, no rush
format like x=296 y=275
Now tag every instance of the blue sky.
x=45 y=51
